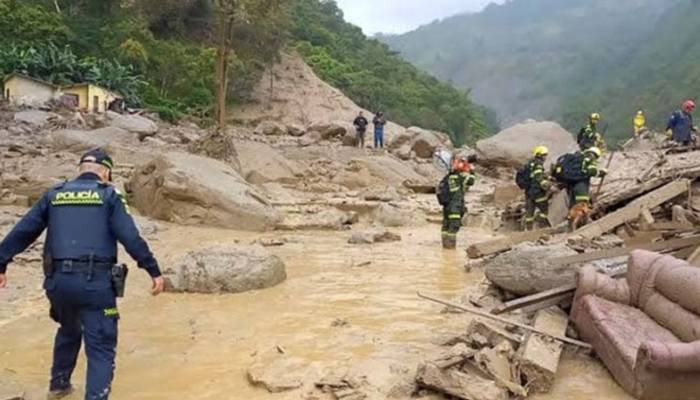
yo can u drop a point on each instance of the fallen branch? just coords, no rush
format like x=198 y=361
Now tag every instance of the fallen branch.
x=506 y=321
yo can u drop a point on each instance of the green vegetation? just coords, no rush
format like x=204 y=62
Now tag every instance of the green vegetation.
x=163 y=54
x=562 y=60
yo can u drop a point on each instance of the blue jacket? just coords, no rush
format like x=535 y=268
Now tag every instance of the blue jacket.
x=84 y=218
x=681 y=123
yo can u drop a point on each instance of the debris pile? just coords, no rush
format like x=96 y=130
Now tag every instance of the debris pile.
x=490 y=362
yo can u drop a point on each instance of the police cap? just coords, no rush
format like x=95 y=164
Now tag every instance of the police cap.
x=98 y=156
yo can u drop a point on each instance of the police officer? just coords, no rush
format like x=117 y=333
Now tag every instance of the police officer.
x=84 y=218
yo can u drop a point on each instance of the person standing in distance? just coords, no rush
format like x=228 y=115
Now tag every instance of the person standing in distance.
x=84 y=219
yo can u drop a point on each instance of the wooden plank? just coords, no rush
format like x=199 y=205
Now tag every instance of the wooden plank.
x=645 y=218
x=669 y=245
x=632 y=211
x=694 y=258
x=539 y=357
x=483 y=249
x=560 y=338
x=545 y=299
x=668 y=226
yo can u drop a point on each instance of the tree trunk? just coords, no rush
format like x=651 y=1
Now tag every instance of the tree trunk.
x=58 y=7
x=221 y=72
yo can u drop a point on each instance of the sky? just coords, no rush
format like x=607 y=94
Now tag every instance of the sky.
x=399 y=16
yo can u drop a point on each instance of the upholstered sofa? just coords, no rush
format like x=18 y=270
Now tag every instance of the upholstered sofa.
x=645 y=327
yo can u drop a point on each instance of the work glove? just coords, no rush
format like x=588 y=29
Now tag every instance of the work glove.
x=669 y=133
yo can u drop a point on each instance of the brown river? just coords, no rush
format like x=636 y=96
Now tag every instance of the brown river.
x=334 y=310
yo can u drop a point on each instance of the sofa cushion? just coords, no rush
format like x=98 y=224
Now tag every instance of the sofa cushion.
x=623 y=327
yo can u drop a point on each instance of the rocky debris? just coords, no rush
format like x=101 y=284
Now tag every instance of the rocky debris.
x=459 y=384
x=278 y=373
x=419 y=142
x=332 y=130
x=218 y=146
x=376 y=236
x=513 y=146
x=483 y=334
x=330 y=219
x=310 y=139
x=393 y=216
x=384 y=194
x=539 y=356
x=526 y=269
x=343 y=385
x=192 y=190
x=270 y=128
x=230 y=268
x=34 y=117
x=295 y=130
x=142 y=126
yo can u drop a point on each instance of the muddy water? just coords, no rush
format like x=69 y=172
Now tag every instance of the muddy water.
x=332 y=310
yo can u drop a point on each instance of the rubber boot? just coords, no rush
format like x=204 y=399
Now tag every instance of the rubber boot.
x=449 y=242
x=60 y=393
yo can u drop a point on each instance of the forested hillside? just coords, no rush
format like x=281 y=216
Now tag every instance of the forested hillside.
x=563 y=59
x=163 y=54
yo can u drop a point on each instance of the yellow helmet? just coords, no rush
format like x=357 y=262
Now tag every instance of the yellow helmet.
x=595 y=150
x=595 y=117
x=540 y=151
x=640 y=113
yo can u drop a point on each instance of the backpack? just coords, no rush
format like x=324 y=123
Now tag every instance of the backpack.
x=522 y=177
x=443 y=191
x=568 y=168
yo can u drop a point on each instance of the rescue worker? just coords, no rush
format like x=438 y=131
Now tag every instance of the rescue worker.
x=360 y=124
x=379 y=121
x=453 y=187
x=680 y=127
x=589 y=136
x=640 y=123
x=537 y=192
x=84 y=219
x=580 y=191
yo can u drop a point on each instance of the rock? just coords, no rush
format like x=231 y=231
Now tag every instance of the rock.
x=459 y=384
x=192 y=190
x=79 y=141
x=349 y=139
x=425 y=143
x=270 y=128
x=331 y=219
x=376 y=236
x=135 y=124
x=229 y=268
x=261 y=163
x=295 y=130
x=402 y=138
x=504 y=195
x=310 y=138
x=330 y=130
x=493 y=334
x=392 y=216
x=278 y=374
x=404 y=152
x=526 y=270
x=385 y=194
x=513 y=146
x=34 y=117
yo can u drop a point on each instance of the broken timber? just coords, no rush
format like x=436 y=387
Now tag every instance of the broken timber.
x=632 y=211
x=669 y=245
x=539 y=356
x=483 y=249
x=560 y=338
x=545 y=299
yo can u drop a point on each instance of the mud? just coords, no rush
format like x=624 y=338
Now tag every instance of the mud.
x=201 y=346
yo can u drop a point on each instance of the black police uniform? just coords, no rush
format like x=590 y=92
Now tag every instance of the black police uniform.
x=84 y=219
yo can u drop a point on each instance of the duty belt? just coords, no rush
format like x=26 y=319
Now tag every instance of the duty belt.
x=81 y=266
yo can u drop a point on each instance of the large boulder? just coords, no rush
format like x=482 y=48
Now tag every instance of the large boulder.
x=230 y=268
x=526 y=269
x=331 y=130
x=77 y=141
x=193 y=190
x=261 y=163
x=513 y=146
x=270 y=128
x=133 y=123
x=34 y=117
x=421 y=142
x=391 y=215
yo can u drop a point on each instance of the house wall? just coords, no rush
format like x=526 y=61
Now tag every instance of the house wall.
x=27 y=92
x=82 y=93
x=104 y=98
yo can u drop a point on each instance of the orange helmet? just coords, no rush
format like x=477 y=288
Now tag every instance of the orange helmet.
x=461 y=165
